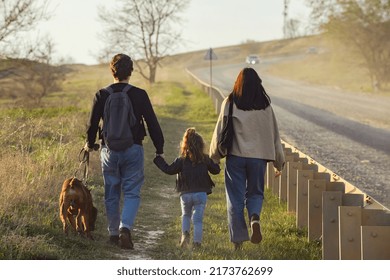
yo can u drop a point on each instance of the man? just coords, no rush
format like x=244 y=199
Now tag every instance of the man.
x=123 y=170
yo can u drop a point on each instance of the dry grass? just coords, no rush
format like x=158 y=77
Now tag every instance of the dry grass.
x=334 y=66
x=40 y=148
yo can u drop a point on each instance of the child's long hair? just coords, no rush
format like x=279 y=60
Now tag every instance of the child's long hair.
x=192 y=146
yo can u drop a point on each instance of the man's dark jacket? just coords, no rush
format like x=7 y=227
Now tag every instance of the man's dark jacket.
x=143 y=110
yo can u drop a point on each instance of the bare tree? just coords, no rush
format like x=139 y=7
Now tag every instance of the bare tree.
x=292 y=28
x=20 y=15
x=363 y=25
x=39 y=75
x=17 y=16
x=34 y=76
x=144 y=28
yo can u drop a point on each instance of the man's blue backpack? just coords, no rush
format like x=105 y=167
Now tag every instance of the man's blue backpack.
x=118 y=120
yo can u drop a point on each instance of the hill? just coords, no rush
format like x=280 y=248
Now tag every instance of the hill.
x=319 y=61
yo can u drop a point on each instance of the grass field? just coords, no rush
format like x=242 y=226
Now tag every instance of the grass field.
x=40 y=148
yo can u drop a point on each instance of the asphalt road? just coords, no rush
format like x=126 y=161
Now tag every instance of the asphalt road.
x=349 y=133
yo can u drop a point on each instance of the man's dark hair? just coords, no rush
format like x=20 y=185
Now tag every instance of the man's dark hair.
x=121 y=66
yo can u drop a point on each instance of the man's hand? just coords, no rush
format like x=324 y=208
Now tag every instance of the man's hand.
x=278 y=173
x=87 y=148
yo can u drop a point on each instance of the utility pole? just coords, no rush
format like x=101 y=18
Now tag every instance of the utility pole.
x=285 y=16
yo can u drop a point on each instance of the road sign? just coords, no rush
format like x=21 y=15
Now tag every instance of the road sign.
x=210 y=55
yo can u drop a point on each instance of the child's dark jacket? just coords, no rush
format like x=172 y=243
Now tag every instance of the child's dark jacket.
x=191 y=177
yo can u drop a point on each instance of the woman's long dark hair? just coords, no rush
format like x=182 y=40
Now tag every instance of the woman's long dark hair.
x=248 y=92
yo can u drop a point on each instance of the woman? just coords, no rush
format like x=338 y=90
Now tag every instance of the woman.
x=256 y=141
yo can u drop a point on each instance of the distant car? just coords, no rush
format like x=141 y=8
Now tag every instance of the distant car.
x=252 y=59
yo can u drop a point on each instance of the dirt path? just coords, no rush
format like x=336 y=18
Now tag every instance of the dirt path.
x=149 y=226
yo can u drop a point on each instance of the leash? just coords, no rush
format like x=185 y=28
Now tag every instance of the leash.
x=84 y=160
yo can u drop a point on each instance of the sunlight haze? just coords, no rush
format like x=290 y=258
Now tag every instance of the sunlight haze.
x=75 y=26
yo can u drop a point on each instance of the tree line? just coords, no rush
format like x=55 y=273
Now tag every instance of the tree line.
x=361 y=25
x=142 y=28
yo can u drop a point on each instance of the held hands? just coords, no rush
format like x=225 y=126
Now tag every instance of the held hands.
x=159 y=155
x=158 y=159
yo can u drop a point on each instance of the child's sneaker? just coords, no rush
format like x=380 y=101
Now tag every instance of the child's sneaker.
x=185 y=239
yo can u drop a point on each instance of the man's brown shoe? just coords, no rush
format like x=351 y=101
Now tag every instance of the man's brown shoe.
x=114 y=240
x=125 y=239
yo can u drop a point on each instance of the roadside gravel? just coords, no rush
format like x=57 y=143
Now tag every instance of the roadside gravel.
x=349 y=133
x=366 y=168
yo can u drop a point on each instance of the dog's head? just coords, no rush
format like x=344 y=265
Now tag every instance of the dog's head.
x=84 y=196
x=76 y=195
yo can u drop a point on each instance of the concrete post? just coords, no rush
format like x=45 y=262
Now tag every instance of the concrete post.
x=375 y=242
x=316 y=188
x=349 y=232
x=292 y=168
x=375 y=234
x=270 y=175
x=293 y=157
x=331 y=200
x=303 y=177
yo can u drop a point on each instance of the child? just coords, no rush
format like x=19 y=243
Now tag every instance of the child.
x=193 y=183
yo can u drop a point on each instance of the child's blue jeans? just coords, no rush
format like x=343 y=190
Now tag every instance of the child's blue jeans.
x=192 y=207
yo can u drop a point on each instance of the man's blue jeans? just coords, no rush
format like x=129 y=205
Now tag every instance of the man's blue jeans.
x=192 y=206
x=122 y=172
x=244 y=181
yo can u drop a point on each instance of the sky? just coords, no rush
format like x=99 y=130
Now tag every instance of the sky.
x=75 y=28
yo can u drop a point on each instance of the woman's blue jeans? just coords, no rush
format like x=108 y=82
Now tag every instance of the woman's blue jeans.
x=192 y=207
x=244 y=181
x=122 y=172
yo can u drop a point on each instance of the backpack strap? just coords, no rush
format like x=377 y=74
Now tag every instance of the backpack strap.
x=125 y=89
x=109 y=89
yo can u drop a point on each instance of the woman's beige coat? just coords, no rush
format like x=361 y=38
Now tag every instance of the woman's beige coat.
x=256 y=135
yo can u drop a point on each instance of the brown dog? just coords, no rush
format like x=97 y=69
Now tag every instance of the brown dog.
x=76 y=200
